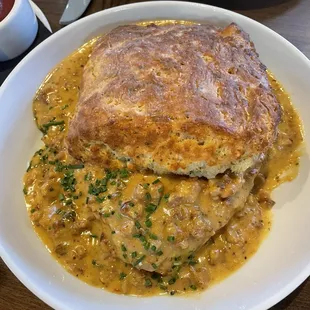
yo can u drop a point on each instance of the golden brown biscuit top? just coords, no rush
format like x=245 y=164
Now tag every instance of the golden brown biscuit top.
x=187 y=99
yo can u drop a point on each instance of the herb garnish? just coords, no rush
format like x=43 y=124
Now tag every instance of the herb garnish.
x=100 y=199
x=150 y=208
x=124 y=173
x=148 y=282
x=137 y=236
x=76 y=166
x=191 y=260
x=137 y=224
x=69 y=181
x=68 y=202
x=46 y=126
x=88 y=176
x=96 y=189
x=148 y=223
x=148 y=196
x=153 y=236
x=166 y=197
x=122 y=276
x=138 y=261
x=146 y=245
x=171 y=238
x=107 y=214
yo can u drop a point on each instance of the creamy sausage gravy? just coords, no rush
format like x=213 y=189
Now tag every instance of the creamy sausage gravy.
x=64 y=198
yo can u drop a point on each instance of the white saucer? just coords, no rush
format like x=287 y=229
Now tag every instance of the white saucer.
x=41 y=16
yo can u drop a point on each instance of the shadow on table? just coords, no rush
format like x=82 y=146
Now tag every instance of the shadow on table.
x=295 y=295
x=270 y=12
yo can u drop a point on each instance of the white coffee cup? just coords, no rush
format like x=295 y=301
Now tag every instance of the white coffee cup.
x=17 y=30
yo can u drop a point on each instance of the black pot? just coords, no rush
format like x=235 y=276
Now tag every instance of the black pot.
x=242 y=4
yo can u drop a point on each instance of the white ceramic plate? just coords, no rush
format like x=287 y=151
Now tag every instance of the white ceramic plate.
x=282 y=262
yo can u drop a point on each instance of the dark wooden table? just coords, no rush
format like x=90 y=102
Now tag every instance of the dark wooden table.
x=291 y=20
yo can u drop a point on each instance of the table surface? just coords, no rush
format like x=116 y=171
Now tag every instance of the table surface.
x=291 y=20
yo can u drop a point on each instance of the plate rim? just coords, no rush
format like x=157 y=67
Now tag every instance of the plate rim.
x=5 y=252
